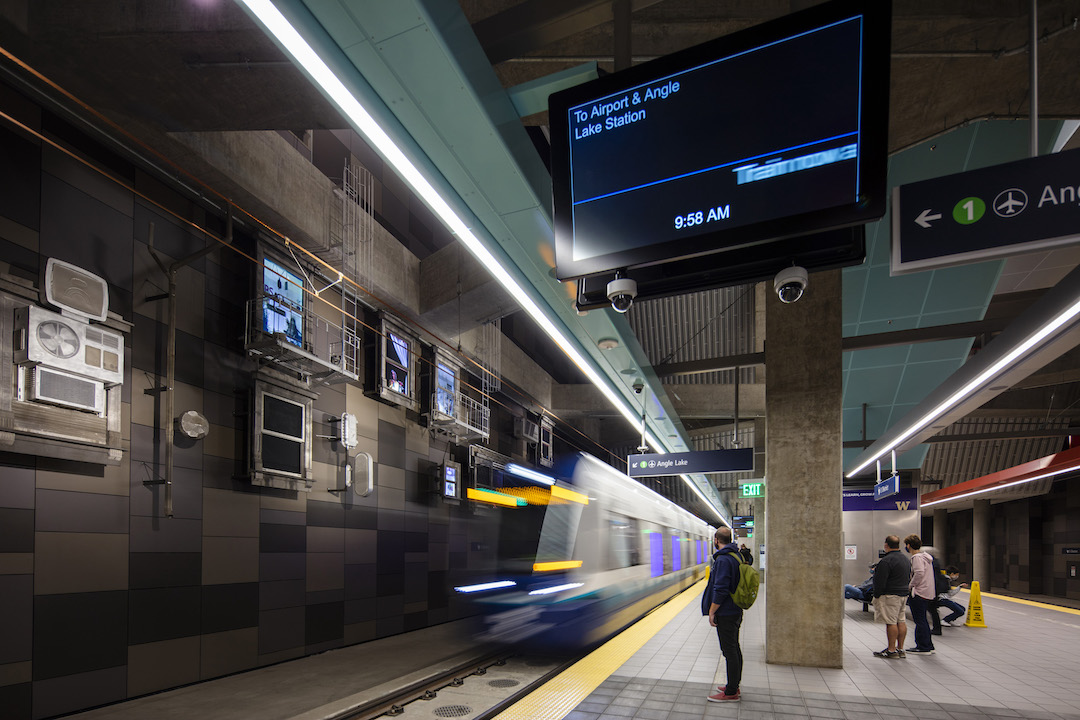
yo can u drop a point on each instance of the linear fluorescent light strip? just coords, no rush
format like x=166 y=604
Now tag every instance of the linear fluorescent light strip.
x=295 y=45
x=961 y=496
x=486 y=586
x=1044 y=332
x=555 y=589
x=529 y=474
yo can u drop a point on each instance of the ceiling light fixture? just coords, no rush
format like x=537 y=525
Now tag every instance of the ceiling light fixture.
x=282 y=30
x=1056 y=323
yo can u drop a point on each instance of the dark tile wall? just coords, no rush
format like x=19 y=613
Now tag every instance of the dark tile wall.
x=103 y=597
x=1028 y=542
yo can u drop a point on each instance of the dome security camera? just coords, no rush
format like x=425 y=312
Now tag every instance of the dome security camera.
x=790 y=284
x=621 y=292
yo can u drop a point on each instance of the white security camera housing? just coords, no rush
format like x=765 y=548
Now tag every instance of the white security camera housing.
x=790 y=283
x=621 y=292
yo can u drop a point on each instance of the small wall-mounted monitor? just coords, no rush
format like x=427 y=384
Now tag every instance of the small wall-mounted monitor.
x=283 y=302
x=445 y=388
x=773 y=132
x=450 y=479
x=397 y=364
x=395 y=354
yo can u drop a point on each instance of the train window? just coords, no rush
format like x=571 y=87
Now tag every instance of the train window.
x=622 y=535
x=656 y=554
x=676 y=552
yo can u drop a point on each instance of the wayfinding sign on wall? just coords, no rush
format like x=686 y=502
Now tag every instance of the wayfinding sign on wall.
x=705 y=461
x=738 y=141
x=993 y=212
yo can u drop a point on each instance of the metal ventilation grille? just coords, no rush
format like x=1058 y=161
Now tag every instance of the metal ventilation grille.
x=62 y=389
x=503 y=683
x=698 y=326
x=452 y=711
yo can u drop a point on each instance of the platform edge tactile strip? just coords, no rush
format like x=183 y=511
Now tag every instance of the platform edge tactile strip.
x=559 y=696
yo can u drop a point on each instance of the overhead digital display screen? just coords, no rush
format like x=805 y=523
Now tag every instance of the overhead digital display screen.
x=769 y=133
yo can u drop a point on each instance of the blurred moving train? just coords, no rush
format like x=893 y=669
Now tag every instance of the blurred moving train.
x=582 y=554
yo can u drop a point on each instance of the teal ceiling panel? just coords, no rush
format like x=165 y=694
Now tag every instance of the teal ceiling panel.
x=955 y=350
x=965 y=286
x=877 y=422
x=874 y=386
x=950 y=317
x=380 y=20
x=889 y=298
x=853 y=281
x=462 y=129
x=878 y=357
x=920 y=378
x=339 y=21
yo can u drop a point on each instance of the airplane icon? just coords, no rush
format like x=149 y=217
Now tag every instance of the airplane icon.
x=1010 y=203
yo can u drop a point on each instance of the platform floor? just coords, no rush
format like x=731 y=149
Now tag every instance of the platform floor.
x=1025 y=663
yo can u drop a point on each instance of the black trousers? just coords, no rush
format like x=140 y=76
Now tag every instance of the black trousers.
x=727 y=630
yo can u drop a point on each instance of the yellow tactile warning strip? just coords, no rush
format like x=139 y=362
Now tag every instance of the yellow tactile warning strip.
x=569 y=688
x=1033 y=603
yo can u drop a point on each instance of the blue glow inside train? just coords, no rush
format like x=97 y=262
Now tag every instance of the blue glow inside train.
x=581 y=554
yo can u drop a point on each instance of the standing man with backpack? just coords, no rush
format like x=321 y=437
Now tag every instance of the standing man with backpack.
x=724 y=614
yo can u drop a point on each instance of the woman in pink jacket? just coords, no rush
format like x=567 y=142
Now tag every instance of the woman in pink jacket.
x=922 y=593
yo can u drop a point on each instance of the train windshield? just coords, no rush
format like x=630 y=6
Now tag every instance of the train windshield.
x=538 y=533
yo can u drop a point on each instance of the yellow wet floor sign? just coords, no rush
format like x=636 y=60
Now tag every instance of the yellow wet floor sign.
x=975 y=610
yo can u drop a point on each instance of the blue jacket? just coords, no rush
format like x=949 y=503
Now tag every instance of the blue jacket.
x=723 y=579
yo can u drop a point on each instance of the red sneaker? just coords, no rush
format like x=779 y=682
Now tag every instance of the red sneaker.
x=722 y=697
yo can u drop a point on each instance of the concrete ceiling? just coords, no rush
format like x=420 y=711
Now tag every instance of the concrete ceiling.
x=157 y=69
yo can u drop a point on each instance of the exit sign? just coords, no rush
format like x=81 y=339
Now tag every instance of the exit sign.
x=752 y=490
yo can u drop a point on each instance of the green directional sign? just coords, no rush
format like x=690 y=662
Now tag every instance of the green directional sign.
x=992 y=212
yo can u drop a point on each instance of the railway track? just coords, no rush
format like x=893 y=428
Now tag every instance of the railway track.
x=474 y=690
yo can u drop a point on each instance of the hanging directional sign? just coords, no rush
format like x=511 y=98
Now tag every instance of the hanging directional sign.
x=994 y=212
x=703 y=461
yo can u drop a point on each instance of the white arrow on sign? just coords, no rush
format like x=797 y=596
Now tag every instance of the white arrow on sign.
x=924 y=218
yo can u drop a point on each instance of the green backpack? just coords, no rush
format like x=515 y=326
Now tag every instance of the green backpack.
x=746 y=591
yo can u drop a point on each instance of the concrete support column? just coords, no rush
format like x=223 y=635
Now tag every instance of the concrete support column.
x=804 y=470
x=941 y=523
x=980 y=544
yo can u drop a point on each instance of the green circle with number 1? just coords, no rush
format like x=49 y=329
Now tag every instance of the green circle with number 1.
x=968 y=210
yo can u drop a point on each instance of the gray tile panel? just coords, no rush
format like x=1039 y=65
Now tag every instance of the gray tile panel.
x=64 y=511
x=16 y=604
x=281 y=630
x=228 y=652
x=149 y=499
x=282 y=566
x=17 y=487
x=80 y=563
x=60 y=695
x=230 y=560
x=230 y=514
x=16 y=530
x=161 y=534
x=162 y=665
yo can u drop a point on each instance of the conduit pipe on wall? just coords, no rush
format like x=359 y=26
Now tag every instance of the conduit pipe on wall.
x=170 y=362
